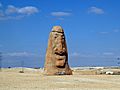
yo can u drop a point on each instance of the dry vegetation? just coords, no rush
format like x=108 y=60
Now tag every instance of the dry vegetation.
x=33 y=79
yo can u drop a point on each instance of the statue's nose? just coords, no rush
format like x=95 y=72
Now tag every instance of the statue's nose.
x=60 y=45
x=59 y=48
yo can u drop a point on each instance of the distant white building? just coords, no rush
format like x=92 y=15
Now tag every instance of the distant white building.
x=109 y=73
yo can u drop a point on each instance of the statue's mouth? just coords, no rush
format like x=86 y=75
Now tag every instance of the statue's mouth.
x=60 y=60
x=59 y=57
x=60 y=53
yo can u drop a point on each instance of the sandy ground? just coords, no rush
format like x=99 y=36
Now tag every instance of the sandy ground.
x=32 y=79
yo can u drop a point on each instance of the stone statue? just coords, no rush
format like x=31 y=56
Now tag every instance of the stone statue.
x=57 y=55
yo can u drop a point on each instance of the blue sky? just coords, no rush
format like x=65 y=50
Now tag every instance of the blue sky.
x=92 y=29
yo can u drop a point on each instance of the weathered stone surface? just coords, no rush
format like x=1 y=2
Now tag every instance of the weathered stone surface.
x=56 y=62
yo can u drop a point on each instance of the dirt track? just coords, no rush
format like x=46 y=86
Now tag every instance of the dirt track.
x=35 y=80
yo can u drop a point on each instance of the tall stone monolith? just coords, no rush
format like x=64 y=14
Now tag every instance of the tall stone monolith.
x=56 y=62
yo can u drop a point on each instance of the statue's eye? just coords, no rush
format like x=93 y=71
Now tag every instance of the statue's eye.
x=55 y=36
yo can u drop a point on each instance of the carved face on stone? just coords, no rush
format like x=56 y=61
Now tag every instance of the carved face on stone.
x=59 y=46
x=56 y=62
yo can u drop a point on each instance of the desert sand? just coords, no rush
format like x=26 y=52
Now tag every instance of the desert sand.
x=34 y=79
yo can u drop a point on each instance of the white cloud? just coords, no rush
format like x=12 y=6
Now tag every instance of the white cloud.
x=24 y=10
x=110 y=32
x=85 y=55
x=94 y=55
x=108 y=53
x=19 y=54
x=116 y=30
x=60 y=14
x=75 y=54
x=12 y=12
x=28 y=10
x=11 y=9
x=96 y=10
x=104 y=32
